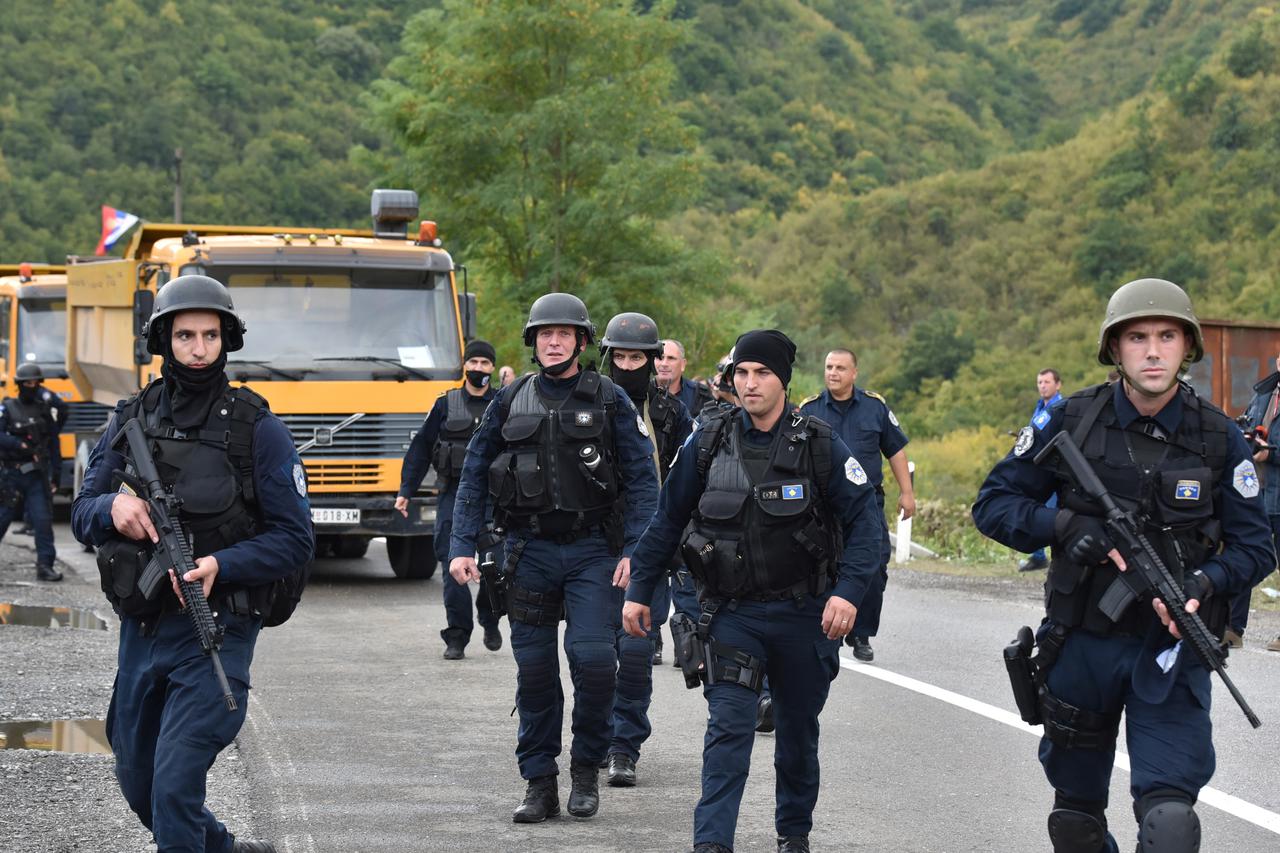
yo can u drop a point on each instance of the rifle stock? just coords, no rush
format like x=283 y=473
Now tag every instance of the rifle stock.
x=1146 y=575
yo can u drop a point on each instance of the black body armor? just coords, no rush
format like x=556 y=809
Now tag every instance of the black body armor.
x=1167 y=481
x=762 y=528
x=33 y=423
x=664 y=414
x=557 y=473
x=462 y=417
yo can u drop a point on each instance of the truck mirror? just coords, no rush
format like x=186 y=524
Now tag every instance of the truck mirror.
x=143 y=304
x=140 y=354
x=467 y=307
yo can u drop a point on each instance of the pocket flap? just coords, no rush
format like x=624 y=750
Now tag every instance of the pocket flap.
x=582 y=424
x=784 y=499
x=1185 y=495
x=721 y=506
x=521 y=427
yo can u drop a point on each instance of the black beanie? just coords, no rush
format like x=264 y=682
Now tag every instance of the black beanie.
x=768 y=347
x=480 y=349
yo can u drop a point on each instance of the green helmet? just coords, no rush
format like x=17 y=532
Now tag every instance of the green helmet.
x=631 y=330
x=1148 y=298
x=194 y=293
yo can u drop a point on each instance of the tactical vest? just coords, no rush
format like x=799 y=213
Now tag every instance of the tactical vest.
x=1168 y=482
x=30 y=422
x=557 y=473
x=664 y=414
x=210 y=468
x=763 y=528
x=461 y=420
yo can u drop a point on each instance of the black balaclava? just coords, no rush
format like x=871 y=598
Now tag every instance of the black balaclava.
x=634 y=383
x=192 y=391
x=28 y=395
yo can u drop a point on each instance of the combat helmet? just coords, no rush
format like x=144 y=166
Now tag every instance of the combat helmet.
x=27 y=372
x=194 y=293
x=1149 y=298
x=631 y=330
x=558 y=309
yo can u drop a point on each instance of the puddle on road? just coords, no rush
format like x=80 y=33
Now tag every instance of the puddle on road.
x=50 y=617
x=89 y=736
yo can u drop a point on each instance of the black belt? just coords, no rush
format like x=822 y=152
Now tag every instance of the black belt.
x=566 y=538
x=813 y=585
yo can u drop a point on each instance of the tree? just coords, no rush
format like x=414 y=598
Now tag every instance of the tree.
x=543 y=133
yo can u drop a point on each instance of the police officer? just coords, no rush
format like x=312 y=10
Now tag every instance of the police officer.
x=782 y=537
x=442 y=441
x=1049 y=387
x=1264 y=412
x=1178 y=464
x=233 y=465
x=629 y=346
x=554 y=452
x=29 y=455
x=670 y=365
x=868 y=426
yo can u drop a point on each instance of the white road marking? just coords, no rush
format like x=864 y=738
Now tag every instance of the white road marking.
x=1220 y=800
x=280 y=765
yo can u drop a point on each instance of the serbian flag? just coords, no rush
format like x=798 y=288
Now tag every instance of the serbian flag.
x=114 y=224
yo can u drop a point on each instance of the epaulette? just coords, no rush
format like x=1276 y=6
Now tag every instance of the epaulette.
x=873 y=395
x=807 y=400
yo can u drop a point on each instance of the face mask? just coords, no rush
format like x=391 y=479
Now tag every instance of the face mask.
x=28 y=395
x=477 y=378
x=634 y=382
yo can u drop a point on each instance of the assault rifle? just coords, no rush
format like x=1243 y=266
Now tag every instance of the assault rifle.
x=1146 y=576
x=173 y=551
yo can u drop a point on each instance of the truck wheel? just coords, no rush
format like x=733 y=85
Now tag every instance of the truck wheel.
x=412 y=557
x=350 y=547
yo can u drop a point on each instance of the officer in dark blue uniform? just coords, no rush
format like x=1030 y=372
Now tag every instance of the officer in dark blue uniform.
x=1263 y=420
x=555 y=451
x=244 y=502
x=868 y=426
x=782 y=538
x=29 y=458
x=442 y=441
x=1183 y=469
x=628 y=348
x=669 y=366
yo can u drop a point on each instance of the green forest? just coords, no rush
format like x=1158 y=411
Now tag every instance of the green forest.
x=949 y=187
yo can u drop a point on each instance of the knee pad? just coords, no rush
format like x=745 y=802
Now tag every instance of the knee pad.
x=635 y=667
x=595 y=666
x=1074 y=831
x=1167 y=823
x=537 y=678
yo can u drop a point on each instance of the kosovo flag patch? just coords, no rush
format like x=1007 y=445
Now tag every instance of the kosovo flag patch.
x=793 y=493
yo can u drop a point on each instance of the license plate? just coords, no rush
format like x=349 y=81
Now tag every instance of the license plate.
x=328 y=515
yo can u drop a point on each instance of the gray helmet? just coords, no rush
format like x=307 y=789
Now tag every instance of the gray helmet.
x=194 y=293
x=630 y=330
x=28 y=371
x=1148 y=298
x=558 y=309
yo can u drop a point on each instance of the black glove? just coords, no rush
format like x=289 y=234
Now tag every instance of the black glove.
x=1197 y=585
x=1083 y=537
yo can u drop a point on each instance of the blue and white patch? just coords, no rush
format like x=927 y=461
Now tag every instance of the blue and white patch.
x=300 y=480
x=1245 y=479
x=793 y=493
x=893 y=419
x=644 y=430
x=1187 y=490
x=1026 y=438
x=1041 y=419
x=853 y=472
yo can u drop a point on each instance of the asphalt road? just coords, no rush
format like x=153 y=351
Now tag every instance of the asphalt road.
x=360 y=737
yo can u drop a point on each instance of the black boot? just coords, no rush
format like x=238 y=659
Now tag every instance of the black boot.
x=709 y=847
x=584 y=795
x=238 y=846
x=455 y=643
x=764 y=714
x=46 y=572
x=541 y=801
x=793 y=844
x=622 y=771
x=492 y=638
x=657 y=652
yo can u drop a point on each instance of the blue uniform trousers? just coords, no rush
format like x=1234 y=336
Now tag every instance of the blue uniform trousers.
x=1240 y=603
x=457 y=596
x=167 y=723
x=801 y=663
x=34 y=488
x=583 y=570
x=631 y=726
x=1170 y=743
x=867 y=622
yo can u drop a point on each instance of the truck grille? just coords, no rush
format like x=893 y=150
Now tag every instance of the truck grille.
x=356 y=474
x=86 y=416
x=374 y=436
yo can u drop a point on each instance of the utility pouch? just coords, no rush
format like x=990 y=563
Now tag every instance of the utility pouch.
x=690 y=650
x=121 y=565
x=1022 y=676
x=540 y=609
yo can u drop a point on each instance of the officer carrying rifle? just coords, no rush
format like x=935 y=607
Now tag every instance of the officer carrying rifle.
x=29 y=458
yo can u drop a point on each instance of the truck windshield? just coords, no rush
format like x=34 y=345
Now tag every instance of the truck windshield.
x=296 y=316
x=42 y=331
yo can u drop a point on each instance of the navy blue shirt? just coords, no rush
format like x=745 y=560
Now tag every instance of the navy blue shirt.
x=852 y=503
x=1010 y=507
x=690 y=393
x=634 y=455
x=286 y=541
x=1257 y=414
x=866 y=425
x=421 y=452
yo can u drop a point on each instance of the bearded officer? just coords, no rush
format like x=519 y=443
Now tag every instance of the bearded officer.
x=782 y=537
x=442 y=442
x=244 y=502
x=1182 y=468
x=629 y=347
x=555 y=451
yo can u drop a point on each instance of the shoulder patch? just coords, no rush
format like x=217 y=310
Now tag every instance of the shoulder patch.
x=893 y=419
x=299 y=480
x=644 y=430
x=1245 y=479
x=853 y=472
x=1026 y=438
